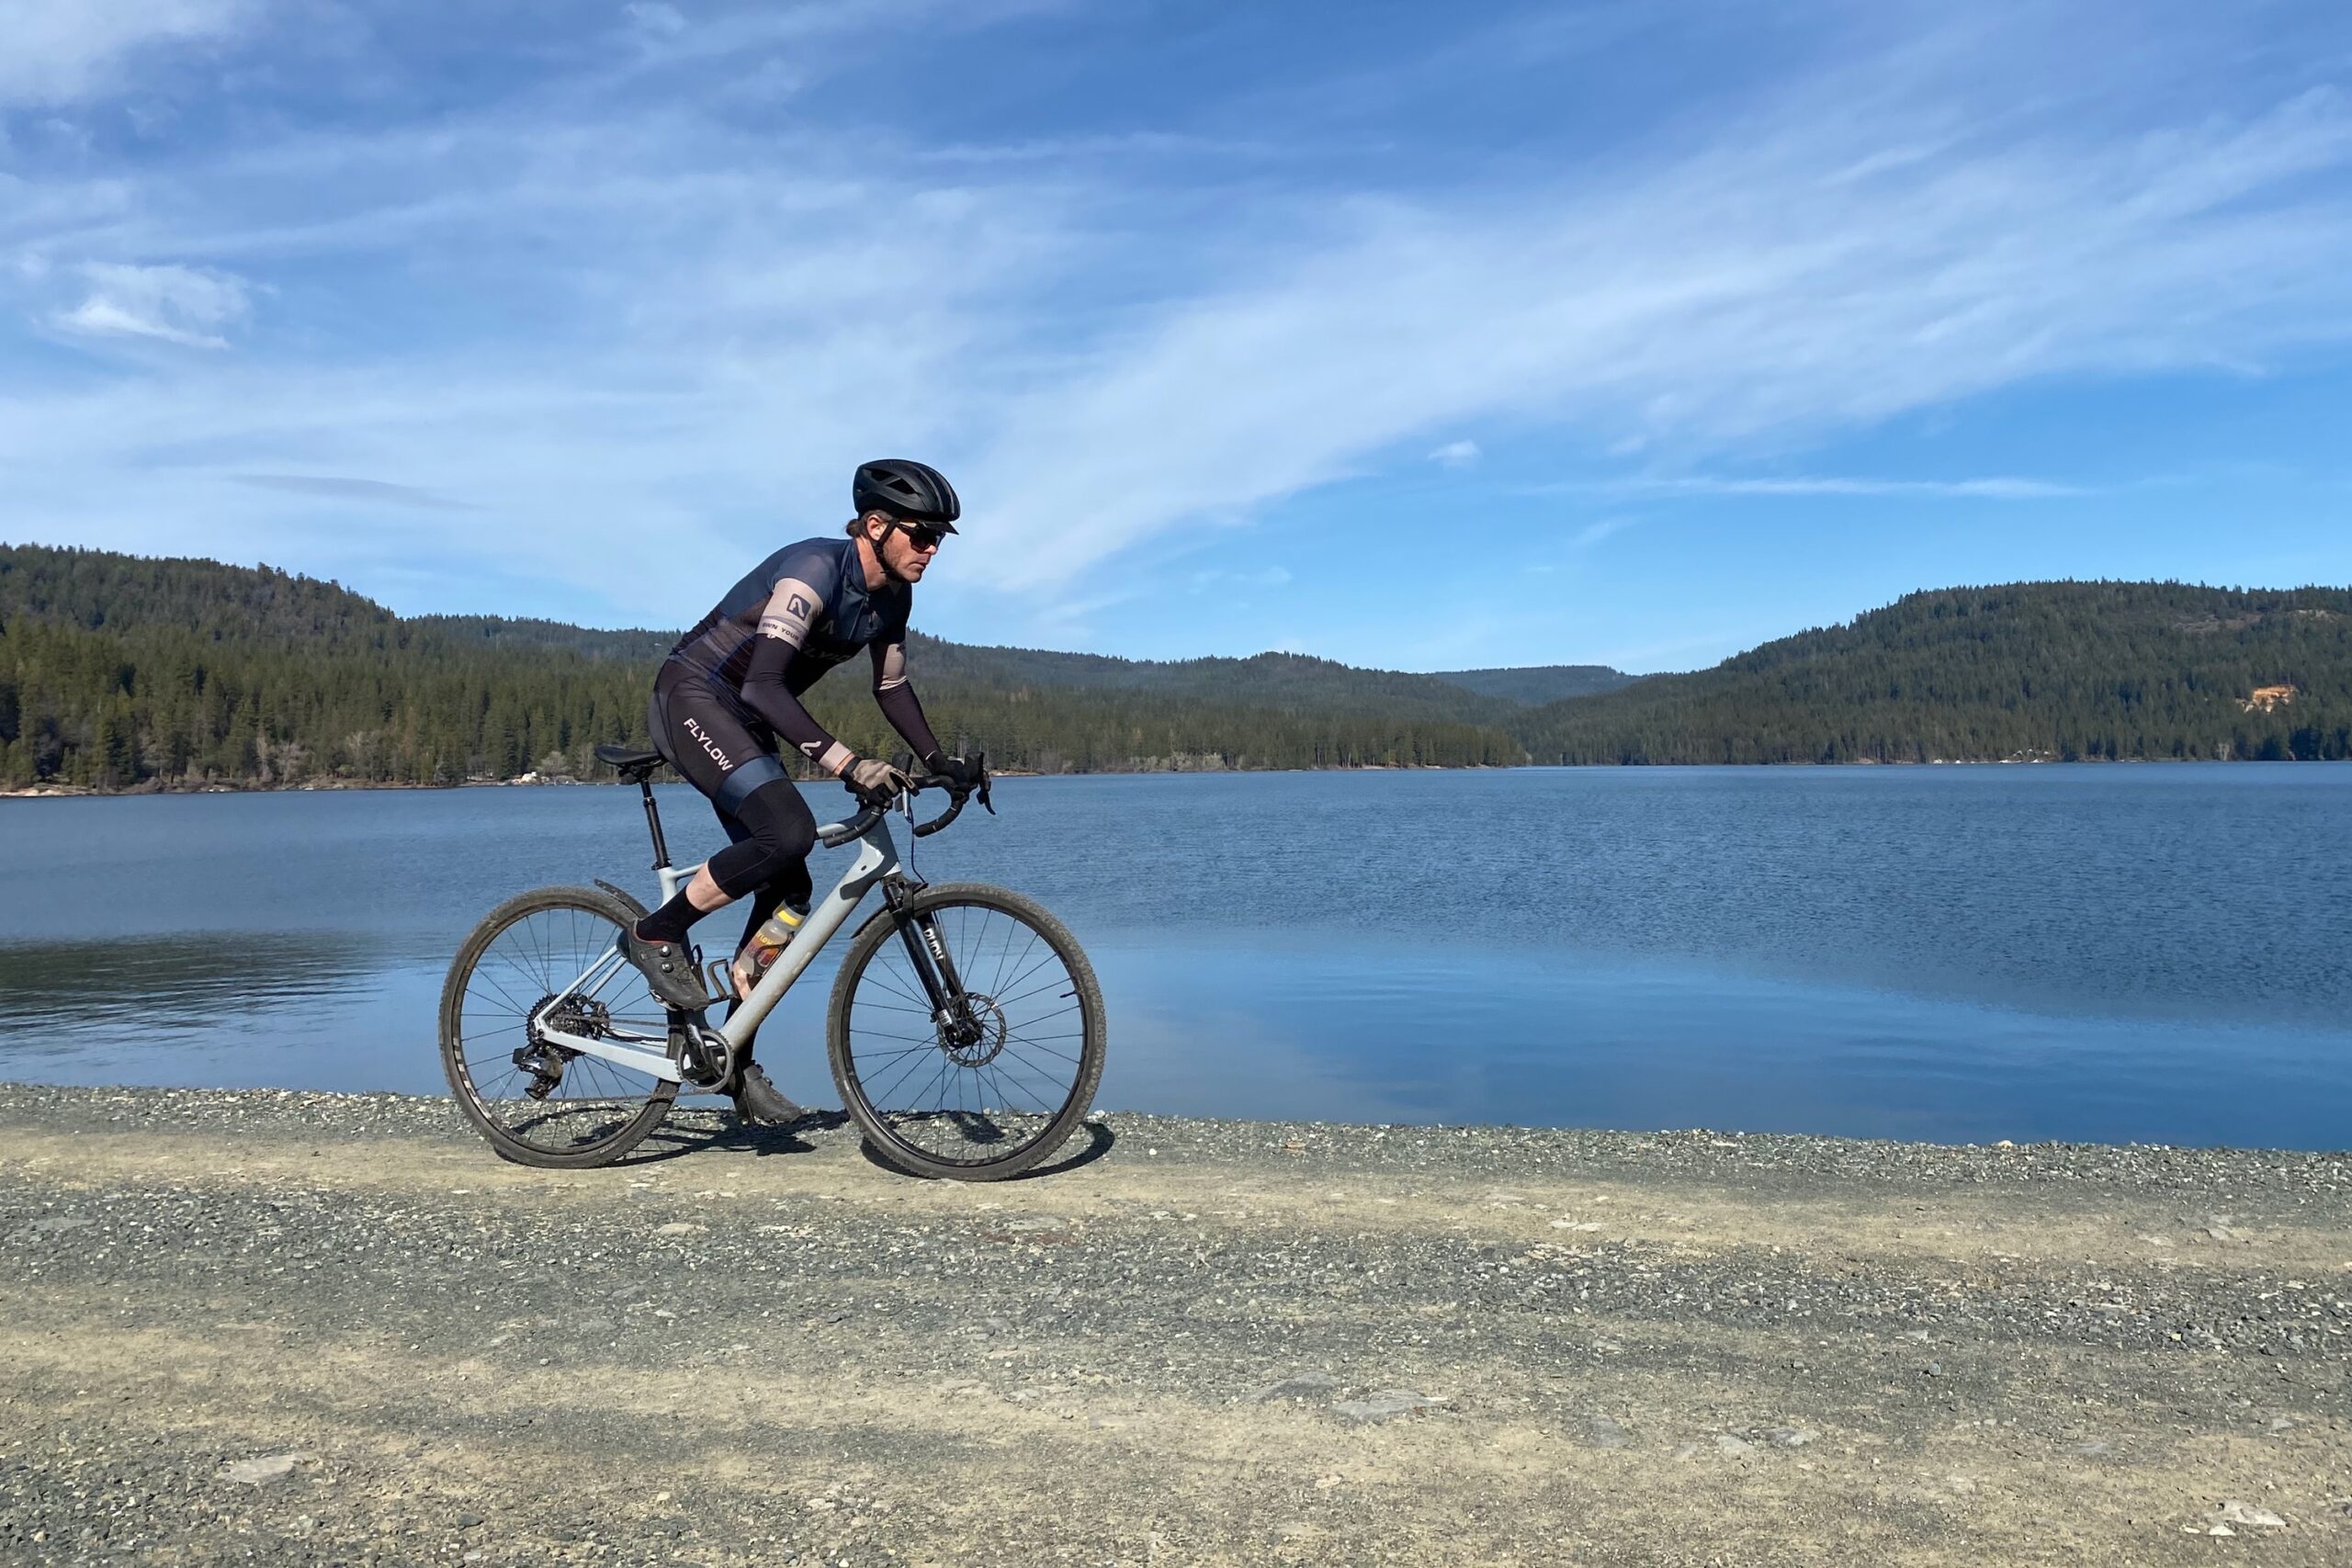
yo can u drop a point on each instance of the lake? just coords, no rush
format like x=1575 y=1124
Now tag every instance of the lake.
x=2127 y=952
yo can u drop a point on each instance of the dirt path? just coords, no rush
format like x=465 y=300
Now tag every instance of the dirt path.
x=1193 y=1342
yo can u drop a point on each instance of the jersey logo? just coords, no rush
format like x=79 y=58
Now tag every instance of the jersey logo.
x=798 y=607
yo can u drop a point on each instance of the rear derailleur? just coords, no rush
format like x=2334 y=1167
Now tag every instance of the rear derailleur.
x=545 y=1060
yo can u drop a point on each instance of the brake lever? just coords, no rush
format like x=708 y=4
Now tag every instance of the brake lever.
x=980 y=761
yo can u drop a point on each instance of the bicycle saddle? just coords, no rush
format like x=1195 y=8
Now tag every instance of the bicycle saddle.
x=635 y=766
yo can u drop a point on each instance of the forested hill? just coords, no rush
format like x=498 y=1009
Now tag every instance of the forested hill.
x=2033 y=670
x=1538 y=683
x=119 y=672
x=635 y=646
x=1286 y=680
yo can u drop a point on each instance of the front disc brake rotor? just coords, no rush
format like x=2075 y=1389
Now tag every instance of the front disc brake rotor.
x=984 y=1020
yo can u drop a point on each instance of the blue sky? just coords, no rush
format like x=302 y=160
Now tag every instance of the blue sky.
x=1416 y=336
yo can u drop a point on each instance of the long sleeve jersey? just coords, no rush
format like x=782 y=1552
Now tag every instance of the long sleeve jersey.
x=792 y=618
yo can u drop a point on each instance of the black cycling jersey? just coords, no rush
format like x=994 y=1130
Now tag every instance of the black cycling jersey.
x=818 y=595
x=792 y=617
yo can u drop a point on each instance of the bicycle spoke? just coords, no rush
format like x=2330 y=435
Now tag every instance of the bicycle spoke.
x=1065 y=1056
x=910 y=996
x=883 y=1099
x=924 y=1050
x=919 y=1039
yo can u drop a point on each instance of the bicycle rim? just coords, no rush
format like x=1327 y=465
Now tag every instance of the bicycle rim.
x=1005 y=1092
x=535 y=1100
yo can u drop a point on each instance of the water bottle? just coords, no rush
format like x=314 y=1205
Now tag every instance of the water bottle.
x=758 y=955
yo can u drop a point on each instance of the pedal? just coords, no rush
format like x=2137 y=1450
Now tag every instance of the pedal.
x=713 y=994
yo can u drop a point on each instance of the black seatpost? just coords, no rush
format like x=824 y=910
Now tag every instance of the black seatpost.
x=653 y=822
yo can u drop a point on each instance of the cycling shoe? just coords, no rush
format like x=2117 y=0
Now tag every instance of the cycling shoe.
x=668 y=968
x=760 y=1102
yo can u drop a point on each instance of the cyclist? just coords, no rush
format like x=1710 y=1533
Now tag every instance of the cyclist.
x=733 y=685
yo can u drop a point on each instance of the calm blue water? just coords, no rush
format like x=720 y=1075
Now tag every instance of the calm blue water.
x=2143 y=953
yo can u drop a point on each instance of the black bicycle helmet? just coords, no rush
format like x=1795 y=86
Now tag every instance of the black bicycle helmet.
x=904 y=488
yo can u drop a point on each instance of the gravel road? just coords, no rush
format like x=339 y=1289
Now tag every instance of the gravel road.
x=293 y=1328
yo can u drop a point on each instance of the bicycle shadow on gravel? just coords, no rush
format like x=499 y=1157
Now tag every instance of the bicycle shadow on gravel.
x=675 y=1140
x=1097 y=1144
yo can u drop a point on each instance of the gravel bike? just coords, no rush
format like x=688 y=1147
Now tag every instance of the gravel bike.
x=965 y=1029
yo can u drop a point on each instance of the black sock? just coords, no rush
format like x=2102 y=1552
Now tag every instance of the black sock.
x=669 y=922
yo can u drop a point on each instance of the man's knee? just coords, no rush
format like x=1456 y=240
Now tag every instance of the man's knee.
x=782 y=834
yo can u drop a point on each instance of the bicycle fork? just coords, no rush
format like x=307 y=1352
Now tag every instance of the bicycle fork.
x=927 y=952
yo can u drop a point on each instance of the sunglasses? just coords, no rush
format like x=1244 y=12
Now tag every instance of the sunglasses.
x=921 y=537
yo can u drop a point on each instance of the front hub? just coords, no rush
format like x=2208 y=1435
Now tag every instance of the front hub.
x=977 y=1037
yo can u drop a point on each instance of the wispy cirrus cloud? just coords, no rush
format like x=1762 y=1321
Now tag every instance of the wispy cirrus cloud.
x=1259 y=579
x=1996 y=488
x=333 y=487
x=1595 y=532
x=655 y=16
x=174 y=304
x=57 y=51
x=1738 y=295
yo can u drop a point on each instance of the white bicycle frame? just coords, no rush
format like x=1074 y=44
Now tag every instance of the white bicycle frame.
x=877 y=857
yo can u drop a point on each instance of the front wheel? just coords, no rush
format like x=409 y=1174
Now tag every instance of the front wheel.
x=1002 y=1083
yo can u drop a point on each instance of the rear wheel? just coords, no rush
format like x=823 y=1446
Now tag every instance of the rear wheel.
x=1001 y=1084
x=537 y=1102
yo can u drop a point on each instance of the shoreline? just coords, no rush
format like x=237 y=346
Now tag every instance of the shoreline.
x=312 y=1328
x=1845 y=1153
x=60 y=791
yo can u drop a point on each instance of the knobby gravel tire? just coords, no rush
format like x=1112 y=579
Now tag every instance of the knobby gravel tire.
x=883 y=929
x=659 y=1093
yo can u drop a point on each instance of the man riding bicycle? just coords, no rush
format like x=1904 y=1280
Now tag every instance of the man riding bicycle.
x=733 y=685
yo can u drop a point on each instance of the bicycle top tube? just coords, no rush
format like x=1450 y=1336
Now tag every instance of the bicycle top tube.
x=833 y=835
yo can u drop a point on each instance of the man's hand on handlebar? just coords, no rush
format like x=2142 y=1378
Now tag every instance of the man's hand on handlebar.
x=960 y=774
x=880 y=785
x=875 y=782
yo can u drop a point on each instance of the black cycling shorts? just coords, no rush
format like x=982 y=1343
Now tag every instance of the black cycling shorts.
x=709 y=738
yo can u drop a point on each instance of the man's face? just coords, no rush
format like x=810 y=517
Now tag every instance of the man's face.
x=907 y=550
